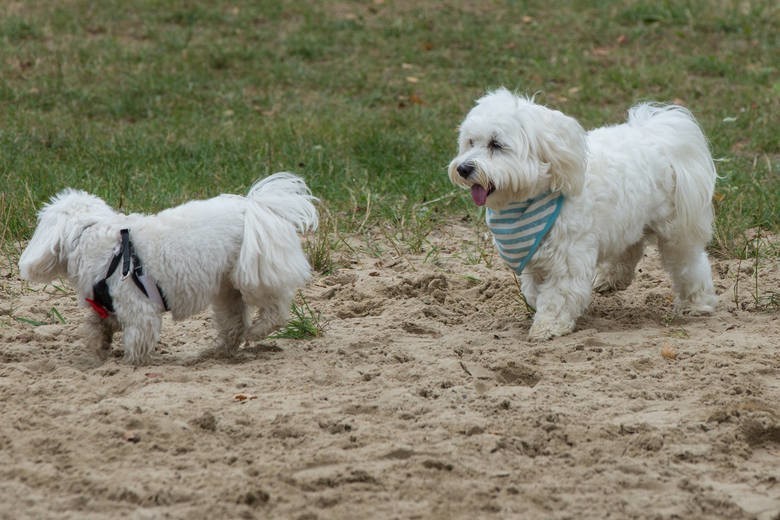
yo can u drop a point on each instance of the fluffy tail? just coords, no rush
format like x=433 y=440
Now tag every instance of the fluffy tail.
x=678 y=136
x=271 y=256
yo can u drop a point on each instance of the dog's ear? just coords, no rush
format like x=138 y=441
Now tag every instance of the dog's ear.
x=43 y=260
x=60 y=223
x=562 y=145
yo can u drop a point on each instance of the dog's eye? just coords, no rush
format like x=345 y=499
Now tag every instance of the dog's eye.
x=495 y=146
x=471 y=143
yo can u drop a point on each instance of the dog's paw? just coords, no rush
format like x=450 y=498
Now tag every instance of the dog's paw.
x=695 y=309
x=223 y=351
x=616 y=280
x=259 y=331
x=702 y=304
x=135 y=359
x=544 y=328
x=610 y=286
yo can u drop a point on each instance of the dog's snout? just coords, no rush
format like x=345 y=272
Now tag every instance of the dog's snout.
x=465 y=169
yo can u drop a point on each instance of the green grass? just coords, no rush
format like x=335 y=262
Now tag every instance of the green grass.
x=149 y=103
x=305 y=322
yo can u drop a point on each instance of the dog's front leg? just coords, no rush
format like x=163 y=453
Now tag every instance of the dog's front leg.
x=140 y=336
x=99 y=333
x=529 y=286
x=563 y=297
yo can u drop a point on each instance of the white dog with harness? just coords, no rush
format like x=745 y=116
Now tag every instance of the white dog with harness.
x=231 y=252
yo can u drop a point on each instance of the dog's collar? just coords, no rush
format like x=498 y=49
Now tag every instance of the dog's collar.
x=101 y=301
x=519 y=228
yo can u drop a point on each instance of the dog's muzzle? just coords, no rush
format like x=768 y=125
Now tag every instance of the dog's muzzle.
x=468 y=169
x=465 y=169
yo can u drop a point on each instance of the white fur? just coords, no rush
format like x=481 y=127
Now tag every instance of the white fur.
x=652 y=175
x=229 y=251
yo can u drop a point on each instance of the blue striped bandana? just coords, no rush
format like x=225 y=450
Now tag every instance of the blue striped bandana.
x=519 y=228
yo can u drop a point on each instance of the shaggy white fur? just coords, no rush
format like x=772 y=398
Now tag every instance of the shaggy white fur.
x=652 y=175
x=230 y=251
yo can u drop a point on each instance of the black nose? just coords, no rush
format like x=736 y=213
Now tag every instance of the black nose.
x=465 y=169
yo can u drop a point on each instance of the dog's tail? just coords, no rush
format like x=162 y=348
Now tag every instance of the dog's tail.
x=678 y=137
x=271 y=256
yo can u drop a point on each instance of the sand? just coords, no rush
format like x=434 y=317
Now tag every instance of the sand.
x=422 y=398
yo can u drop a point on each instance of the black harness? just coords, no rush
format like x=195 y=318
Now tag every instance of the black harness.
x=101 y=300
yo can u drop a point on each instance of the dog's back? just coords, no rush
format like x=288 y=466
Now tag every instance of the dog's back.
x=250 y=241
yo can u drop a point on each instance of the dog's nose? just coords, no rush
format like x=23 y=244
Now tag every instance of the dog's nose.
x=465 y=169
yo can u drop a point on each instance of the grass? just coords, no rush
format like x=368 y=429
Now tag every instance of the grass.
x=150 y=103
x=54 y=316
x=757 y=250
x=304 y=322
x=319 y=246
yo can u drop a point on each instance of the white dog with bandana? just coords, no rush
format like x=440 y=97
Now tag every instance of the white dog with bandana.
x=571 y=210
x=230 y=251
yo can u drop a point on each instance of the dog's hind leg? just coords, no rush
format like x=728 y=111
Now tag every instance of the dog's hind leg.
x=271 y=315
x=691 y=276
x=618 y=275
x=230 y=317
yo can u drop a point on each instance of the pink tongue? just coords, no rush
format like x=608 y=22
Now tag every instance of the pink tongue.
x=479 y=194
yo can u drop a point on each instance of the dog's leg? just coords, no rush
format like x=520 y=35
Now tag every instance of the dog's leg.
x=529 y=285
x=99 y=333
x=617 y=276
x=691 y=276
x=140 y=336
x=270 y=316
x=230 y=317
x=564 y=295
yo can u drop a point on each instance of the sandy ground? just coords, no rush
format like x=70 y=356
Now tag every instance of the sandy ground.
x=421 y=399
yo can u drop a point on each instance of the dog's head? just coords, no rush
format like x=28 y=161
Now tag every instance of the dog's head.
x=60 y=224
x=511 y=149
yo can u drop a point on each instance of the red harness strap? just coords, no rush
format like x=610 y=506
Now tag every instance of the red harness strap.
x=99 y=309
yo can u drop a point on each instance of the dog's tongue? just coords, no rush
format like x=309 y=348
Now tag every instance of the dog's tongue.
x=479 y=194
